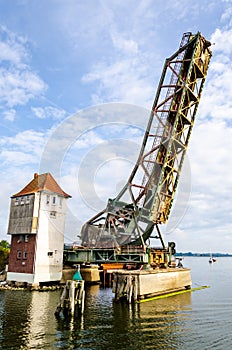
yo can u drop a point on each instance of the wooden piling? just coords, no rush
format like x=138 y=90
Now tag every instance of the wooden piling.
x=136 y=285
x=72 y=299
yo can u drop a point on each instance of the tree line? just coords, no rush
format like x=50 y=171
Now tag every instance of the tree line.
x=4 y=254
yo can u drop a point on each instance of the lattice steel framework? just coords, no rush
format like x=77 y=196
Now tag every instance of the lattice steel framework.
x=146 y=199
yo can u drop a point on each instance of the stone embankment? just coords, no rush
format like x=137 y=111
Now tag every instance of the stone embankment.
x=16 y=286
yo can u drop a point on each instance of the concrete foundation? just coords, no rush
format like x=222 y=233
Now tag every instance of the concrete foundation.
x=90 y=274
x=136 y=285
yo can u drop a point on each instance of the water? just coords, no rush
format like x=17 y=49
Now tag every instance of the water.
x=196 y=320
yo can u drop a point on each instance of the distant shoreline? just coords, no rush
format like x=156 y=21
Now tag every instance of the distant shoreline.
x=218 y=255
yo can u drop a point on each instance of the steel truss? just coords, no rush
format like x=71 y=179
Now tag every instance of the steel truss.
x=146 y=199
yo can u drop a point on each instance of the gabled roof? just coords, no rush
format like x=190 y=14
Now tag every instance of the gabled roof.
x=43 y=182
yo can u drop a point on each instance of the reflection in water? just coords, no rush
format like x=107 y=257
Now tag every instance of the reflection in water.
x=29 y=322
x=155 y=324
x=187 y=321
x=15 y=319
x=41 y=319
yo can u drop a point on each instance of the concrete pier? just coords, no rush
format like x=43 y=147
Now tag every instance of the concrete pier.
x=139 y=284
x=90 y=274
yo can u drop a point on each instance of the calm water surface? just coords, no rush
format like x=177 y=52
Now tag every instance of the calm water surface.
x=196 y=320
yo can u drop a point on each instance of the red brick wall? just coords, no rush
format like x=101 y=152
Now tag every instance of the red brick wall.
x=22 y=253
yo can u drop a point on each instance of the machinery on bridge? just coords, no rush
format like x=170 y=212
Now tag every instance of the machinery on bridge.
x=145 y=202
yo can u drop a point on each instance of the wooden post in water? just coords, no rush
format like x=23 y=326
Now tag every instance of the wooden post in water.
x=141 y=284
x=72 y=299
x=125 y=286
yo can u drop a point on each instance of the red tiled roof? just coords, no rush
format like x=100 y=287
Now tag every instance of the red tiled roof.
x=43 y=182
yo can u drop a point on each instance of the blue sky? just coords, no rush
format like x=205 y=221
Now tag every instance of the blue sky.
x=77 y=81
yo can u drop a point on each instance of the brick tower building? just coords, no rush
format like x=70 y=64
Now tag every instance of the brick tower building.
x=36 y=226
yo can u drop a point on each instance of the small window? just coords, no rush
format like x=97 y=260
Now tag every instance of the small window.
x=19 y=254
x=48 y=199
x=26 y=238
x=25 y=254
x=20 y=239
x=16 y=201
x=54 y=200
x=61 y=201
x=28 y=200
x=50 y=254
x=22 y=200
x=53 y=214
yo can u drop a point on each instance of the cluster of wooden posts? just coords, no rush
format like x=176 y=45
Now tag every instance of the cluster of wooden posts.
x=72 y=299
x=129 y=285
x=125 y=287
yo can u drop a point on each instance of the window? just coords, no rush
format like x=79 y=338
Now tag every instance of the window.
x=22 y=200
x=26 y=238
x=61 y=200
x=50 y=254
x=16 y=201
x=19 y=254
x=25 y=254
x=28 y=200
x=53 y=214
x=54 y=200
x=48 y=199
x=20 y=239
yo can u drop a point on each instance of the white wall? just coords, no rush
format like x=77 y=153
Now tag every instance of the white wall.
x=50 y=238
x=36 y=211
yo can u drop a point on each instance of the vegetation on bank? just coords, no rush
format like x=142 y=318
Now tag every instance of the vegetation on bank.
x=4 y=254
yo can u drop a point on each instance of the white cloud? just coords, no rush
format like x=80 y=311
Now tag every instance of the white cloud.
x=19 y=160
x=210 y=152
x=24 y=147
x=9 y=114
x=216 y=101
x=18 y=86
x=226 y=17
x=12 y=48
x=121 y=66
x=128 y=46
x=209 y=216
x=108 y=182
x=16 y=157
x=48 y=112
x=222 y=40
x=122 y=80
x=18 y=82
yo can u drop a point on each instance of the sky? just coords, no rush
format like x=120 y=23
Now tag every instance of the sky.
x=77 y=82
